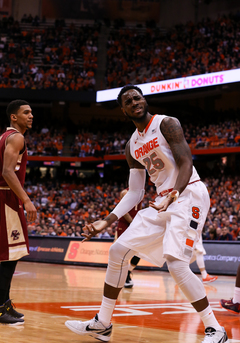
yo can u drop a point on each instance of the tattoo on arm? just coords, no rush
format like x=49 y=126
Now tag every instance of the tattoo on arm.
x=173 y=133
x=108 y=218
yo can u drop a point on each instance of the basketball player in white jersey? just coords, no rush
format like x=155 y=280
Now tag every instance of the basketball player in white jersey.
x=168 y=232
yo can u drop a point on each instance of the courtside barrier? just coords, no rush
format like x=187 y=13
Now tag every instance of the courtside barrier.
x=223 y=257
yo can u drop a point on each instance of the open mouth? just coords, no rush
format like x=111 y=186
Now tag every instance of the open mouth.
x=138 y=109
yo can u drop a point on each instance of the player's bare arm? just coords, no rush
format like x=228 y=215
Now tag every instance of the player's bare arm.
x=173 y=133
x=91 y=230
x=15 y=144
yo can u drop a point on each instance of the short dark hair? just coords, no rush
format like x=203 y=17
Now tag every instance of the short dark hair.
x=14 y=106
x=124 y=90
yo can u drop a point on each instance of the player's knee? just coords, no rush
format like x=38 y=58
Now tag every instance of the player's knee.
x=172 y=262
x=177 y=268
x=118 y=255
x=114 y=253
x=118 y=265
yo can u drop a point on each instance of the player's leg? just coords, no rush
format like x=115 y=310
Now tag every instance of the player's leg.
x=194 y=291
x=187 y=227
x=233 y=305
x=100 y=327
x=8 y=314
x=201 y=265
x=133 y=263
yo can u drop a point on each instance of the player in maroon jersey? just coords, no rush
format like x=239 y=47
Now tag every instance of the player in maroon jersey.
x=123 y=224
x=13 y=200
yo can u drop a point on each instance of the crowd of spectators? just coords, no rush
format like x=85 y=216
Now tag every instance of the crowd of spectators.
x=60 y=46
x=110 y=137
x=134 y=55
x=99 y=144
x=223 y=221
x=150 y=54
x=223 y=134
x=64 y=208
x=47 y=142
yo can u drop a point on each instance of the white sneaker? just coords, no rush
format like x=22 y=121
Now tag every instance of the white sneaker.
x=91 y=327
x=215 y=336
x=129 y=282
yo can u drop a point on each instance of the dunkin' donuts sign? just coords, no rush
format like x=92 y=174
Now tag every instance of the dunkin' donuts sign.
x=184 y=83
x=187 y=83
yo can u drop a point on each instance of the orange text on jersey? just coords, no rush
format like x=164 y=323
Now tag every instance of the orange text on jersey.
x=146 y=148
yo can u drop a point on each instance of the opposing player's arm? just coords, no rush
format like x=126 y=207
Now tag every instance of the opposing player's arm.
x=128 y=218
x=173 y=133
x=15 y=143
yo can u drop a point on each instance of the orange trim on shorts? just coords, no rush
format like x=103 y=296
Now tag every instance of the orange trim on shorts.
x=189 y=242
x=167 y=191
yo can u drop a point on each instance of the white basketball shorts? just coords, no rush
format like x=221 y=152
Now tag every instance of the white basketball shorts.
x=175 y=232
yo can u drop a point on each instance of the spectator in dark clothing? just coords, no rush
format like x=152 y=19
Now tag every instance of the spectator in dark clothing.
x=225 y=236
x=212 y=235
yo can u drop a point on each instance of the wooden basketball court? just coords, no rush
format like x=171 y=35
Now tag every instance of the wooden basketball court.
x=154 y=310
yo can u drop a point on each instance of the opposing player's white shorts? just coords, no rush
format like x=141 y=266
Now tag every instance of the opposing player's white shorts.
x=154 y=235
x=199 y=249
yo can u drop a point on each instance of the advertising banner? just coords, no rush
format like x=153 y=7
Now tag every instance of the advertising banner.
x=92 y=252
x=180 y=84
x=222 y=257
x=46 y=249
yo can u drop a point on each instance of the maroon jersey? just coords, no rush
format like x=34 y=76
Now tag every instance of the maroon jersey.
x=13 y=227
x=123 y=224
x=20 y=168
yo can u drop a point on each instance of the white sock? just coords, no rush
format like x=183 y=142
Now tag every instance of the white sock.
x=106 y=311
x=204 y=274
x=201 y=265
x=236 y=296
x=209 y=319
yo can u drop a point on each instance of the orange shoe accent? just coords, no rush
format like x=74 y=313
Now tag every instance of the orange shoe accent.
x=209 y=278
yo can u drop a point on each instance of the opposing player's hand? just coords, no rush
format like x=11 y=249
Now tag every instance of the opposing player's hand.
x=31 y=211
x=91 y=230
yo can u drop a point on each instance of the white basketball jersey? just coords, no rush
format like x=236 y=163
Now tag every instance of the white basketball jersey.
x=151 y=149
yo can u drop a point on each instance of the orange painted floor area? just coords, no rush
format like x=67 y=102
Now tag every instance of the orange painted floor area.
x=175 y=316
